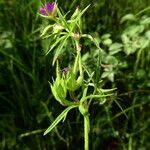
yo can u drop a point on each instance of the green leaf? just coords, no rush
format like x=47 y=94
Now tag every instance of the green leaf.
x=134 y=30
x=102 y=101
x=82 y=109
x=85 y=57
x=106 y=36
x=55 y=93
x=121 y=108
x=63 y=20
x=100 y=97
x=58 y=40
x=71 y=82
x=76 y=13
x=111 y=76
x=129 y=49
x=77 y=19
x=145 y=21
x=104 y=74
x=107 y=42
x=46 y=29
x=143 y=42
x=58 y=75
x=141 y=74
x=125 y=39
x=115 y=46
x=59 y=118
x=111 y=60
x=107 y=90
x=76 y=64
x=129 y=17
x=147 y=34
x=61 y=45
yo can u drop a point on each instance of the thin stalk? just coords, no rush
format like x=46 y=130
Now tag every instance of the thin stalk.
x=86 y=132
x=130 y=143
x=94 y=96
x=146 y=9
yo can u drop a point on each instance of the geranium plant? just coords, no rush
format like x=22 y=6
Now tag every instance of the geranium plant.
x=76 y=76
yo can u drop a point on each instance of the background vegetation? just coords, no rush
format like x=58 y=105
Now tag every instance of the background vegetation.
x=26 y=104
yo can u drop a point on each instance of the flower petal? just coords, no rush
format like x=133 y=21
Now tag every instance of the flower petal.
x=43 y=11
x=50 y=6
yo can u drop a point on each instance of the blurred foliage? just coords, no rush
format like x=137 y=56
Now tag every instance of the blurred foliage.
x=121 y=28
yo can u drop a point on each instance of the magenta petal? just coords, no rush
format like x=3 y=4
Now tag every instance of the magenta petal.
x=43 y=11
x=50 y=7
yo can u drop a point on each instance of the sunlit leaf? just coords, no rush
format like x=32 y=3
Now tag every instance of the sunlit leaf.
x=128 y=17
x=59 y=118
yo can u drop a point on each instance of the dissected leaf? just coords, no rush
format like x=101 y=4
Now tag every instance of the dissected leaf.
x=46 y=29
x=59 y=118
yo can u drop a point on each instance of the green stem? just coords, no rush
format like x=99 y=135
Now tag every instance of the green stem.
x=86 y=132
x=95 y=96
x=146 y=9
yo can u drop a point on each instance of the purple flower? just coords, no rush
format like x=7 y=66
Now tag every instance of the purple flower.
x=48 y=9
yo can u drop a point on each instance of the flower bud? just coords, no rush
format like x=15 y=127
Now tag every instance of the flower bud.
x=50 y=9
x=72 y=81
x=76 y=36
x=59 y=88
